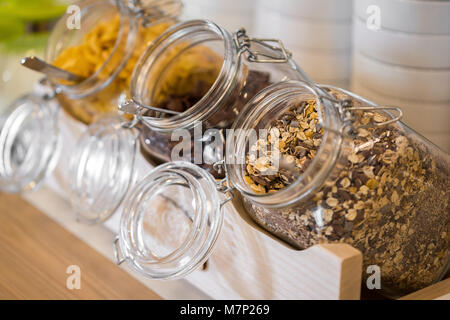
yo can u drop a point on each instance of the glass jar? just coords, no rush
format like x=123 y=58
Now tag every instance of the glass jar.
x=104 y=48
x=371 y=182
x=34 y=116
x=360 y=177
x=199 y=76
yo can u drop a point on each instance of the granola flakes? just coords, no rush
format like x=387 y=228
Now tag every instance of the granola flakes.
x=388 y=196
x=296 y=135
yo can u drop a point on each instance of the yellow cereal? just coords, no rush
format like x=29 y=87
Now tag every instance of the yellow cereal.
x=90 y=55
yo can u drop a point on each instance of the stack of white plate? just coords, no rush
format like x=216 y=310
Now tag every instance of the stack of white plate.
x=405 y=61
x=230 y=14
x=318 y=33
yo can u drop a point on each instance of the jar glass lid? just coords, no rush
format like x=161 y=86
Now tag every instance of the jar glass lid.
x=102 y=169
x=29 y=143
x=171 y=221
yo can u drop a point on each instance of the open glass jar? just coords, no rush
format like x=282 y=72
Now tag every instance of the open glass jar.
x=102 y=45
x=348 y=172
x=198 y=76
x=370 y=181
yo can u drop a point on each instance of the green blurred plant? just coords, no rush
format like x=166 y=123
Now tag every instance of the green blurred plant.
x=32 y=10
x=16 y=17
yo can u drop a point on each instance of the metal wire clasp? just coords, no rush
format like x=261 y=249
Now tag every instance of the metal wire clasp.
x=118 y=259
x=224 y=185
x=156 y=10
x=137 y=109
x=345 y=108
x=243 y=42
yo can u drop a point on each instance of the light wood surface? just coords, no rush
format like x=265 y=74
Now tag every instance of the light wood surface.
x=34 y=255
x=438 y=291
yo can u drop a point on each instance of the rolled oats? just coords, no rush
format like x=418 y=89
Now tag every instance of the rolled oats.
x=389 y=198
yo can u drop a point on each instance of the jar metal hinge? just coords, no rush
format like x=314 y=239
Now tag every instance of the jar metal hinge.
x=157 y=11
x=223 y=185
x=46 y=92
x=243 y=42
x=137 y=109
x=346 y=107
x=119 y=260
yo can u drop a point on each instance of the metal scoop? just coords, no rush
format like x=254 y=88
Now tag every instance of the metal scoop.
x=39 y=65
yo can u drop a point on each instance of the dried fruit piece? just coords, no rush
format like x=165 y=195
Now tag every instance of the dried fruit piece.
x=372 y=183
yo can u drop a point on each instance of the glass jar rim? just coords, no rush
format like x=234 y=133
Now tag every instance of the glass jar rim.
x=213 y=99
x=315 y=173
x=206 y=222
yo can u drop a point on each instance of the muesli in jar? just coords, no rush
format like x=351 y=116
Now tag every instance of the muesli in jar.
x=386 y=193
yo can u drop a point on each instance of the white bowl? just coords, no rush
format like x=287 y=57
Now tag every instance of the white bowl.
x=317 y=10
x=322 y=65
x=401 y=82
x=413 y=16
x=231 y=21
x=424 y=117
x=222 y=5
x=407 y=49
x=303 y=33
x=234 y=22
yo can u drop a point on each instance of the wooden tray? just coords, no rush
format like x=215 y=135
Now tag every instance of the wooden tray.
x=250 y=263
